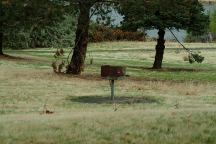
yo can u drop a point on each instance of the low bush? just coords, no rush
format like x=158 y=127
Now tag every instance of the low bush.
x=102 y=33
x=198 y=38
x=59 y=34
x=212 y=26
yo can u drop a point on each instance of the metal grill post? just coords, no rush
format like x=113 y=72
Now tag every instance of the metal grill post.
x=112 y=84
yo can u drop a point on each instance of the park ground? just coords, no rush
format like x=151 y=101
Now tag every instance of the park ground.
x=174 y=105
x=208 y=1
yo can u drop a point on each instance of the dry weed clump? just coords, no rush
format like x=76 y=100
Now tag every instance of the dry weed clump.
x=185 y=58
x=59 y=64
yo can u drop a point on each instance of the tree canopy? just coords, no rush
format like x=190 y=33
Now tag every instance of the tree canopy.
x=30 y=23
x=161 y=14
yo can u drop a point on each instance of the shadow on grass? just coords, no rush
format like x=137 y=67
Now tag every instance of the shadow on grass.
x=21 y=59
x=164 y=69
x=171 y=69
x=10 y=57
x=120 y=99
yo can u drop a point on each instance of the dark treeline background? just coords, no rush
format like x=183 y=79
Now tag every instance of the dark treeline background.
x=61 y=31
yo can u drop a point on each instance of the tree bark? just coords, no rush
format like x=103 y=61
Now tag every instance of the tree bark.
x=159 y=50
x=76 y=65
x=1 y=43
x=1 y=28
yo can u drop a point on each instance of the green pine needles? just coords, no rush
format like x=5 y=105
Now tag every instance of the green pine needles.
x=192 y=56
x=195 y=57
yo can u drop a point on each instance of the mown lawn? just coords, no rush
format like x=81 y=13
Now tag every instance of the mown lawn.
x=173 y=105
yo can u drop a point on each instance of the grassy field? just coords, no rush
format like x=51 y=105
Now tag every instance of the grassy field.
x=207 y=1
x=173 y=105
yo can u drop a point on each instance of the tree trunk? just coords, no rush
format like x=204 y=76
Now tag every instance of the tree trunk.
x=159 y=50
x=1 y=43
x=76 y=65
x=1 y=28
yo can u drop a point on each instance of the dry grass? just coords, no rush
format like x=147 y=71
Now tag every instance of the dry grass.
x=205 y=1
x=145 y=111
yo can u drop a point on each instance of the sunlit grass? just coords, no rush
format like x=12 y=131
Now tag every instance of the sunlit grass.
x=138 y=57
x=175 y=105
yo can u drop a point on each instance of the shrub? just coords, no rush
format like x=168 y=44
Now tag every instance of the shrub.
x=58 y=34
x=102 y=33
x=212 y=25
x=197 y=38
